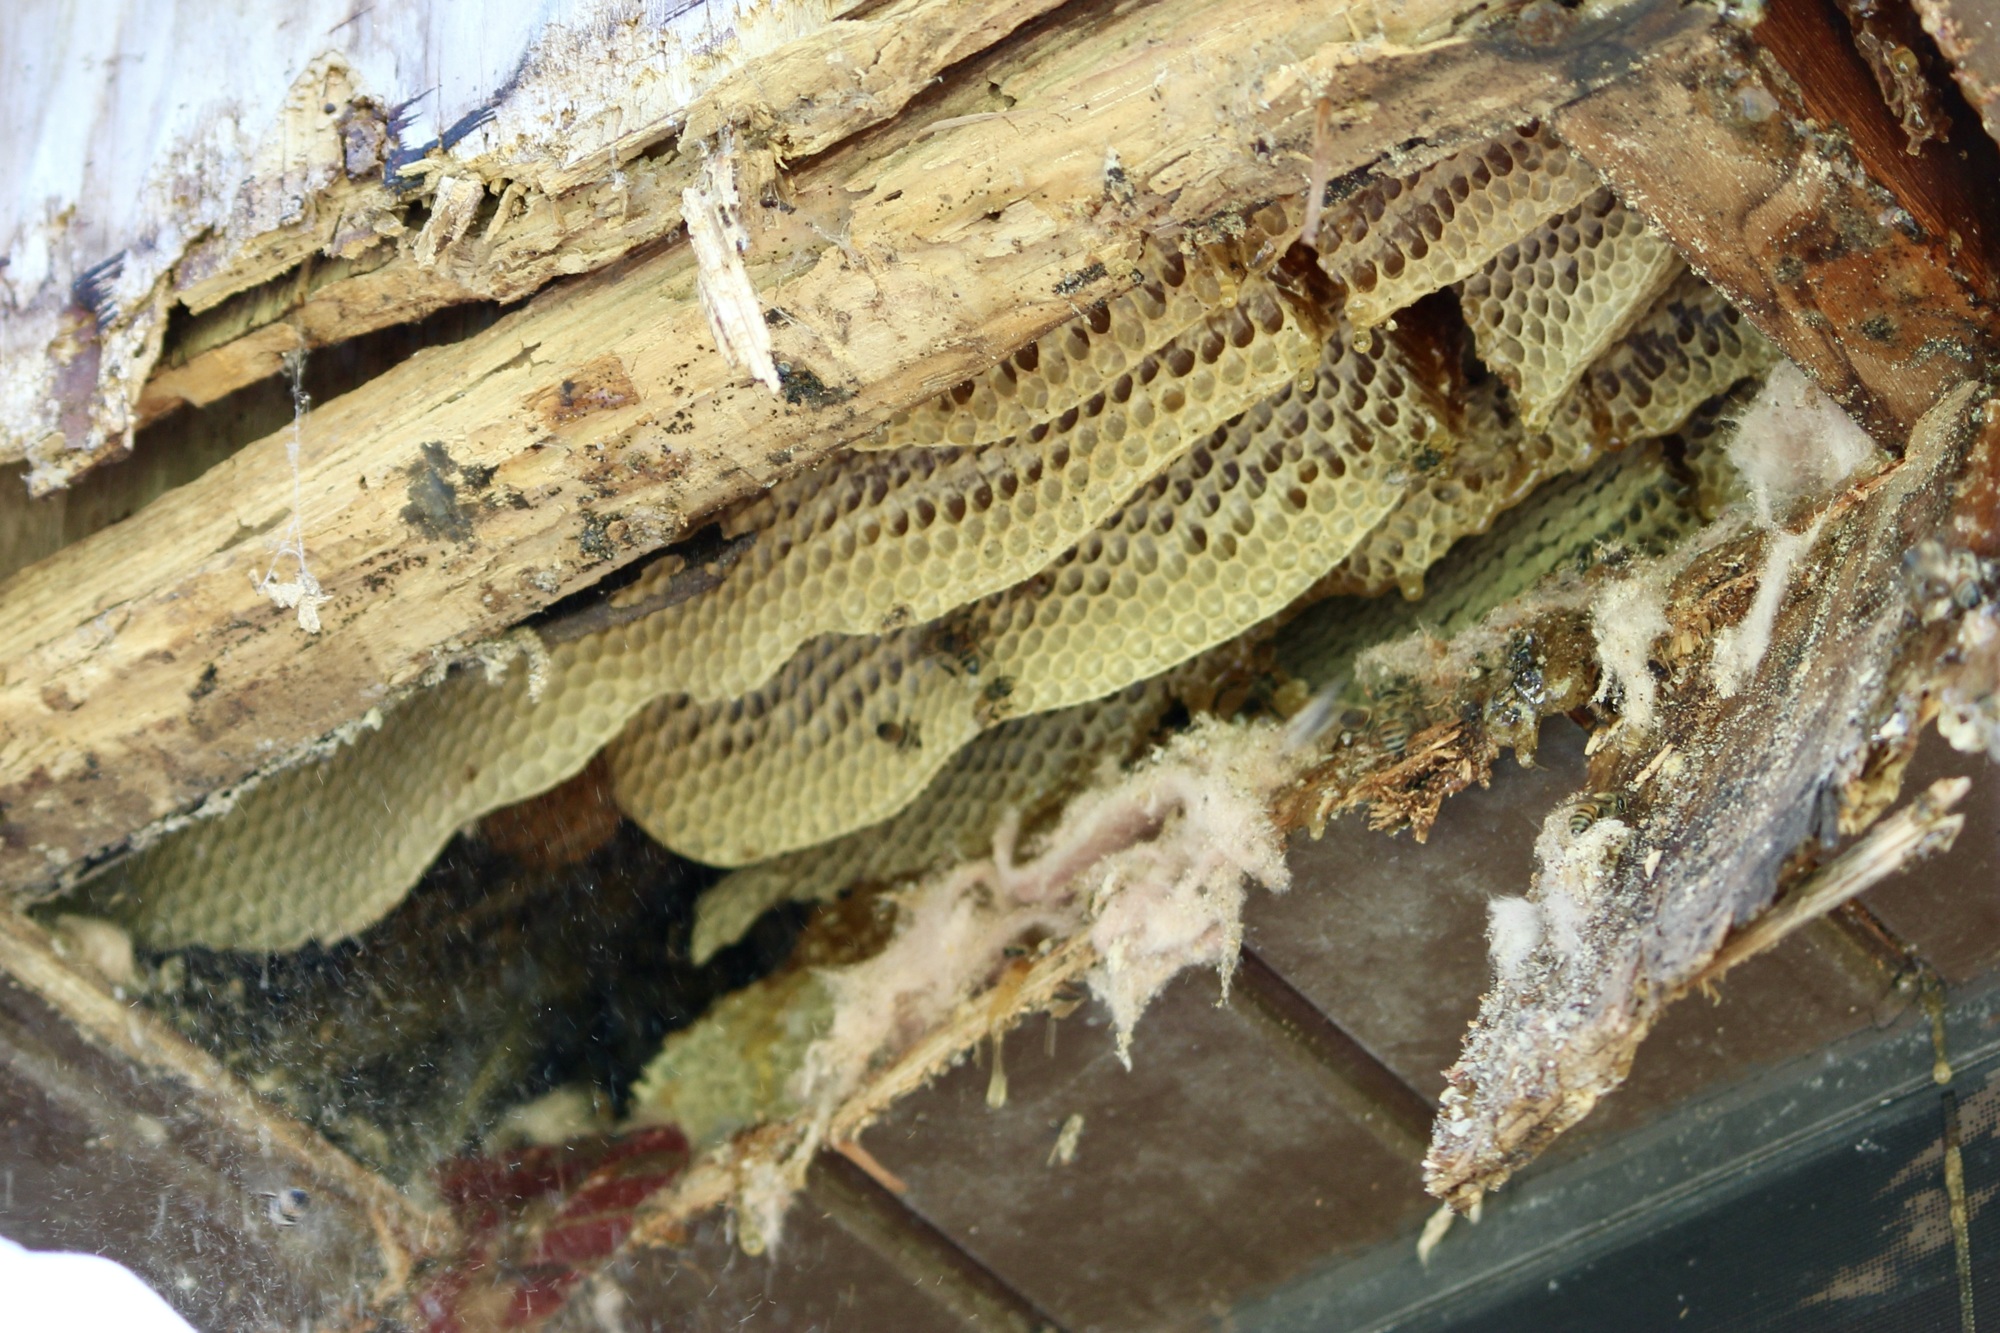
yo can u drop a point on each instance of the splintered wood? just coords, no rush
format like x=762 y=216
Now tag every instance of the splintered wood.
x=1882 y=304
x=443 y=503
x=1635 y=896
x=782 y=262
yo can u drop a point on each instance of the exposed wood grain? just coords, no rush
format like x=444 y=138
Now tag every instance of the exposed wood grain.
x=1920 y=829
x=1945 y=183
x=143 y=670
x=1757 y=776
x=801 y=101
x=147 y=172
x=1877 y=308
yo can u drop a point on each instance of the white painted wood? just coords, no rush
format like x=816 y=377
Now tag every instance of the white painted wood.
x=154 y=149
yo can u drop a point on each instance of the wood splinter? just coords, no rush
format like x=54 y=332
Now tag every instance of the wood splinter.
x=1923 y=828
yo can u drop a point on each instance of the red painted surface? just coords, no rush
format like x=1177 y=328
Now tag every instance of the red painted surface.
x=539 y=1221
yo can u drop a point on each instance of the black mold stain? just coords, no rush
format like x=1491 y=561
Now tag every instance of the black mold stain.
x=92 y=289
x=803 y=388
x=1080 y=279
x=595 y=539
x=434 y=509
x=402 y=155
x=466 y=124
x=401 y=116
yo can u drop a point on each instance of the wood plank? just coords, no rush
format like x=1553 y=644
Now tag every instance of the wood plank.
x=1968 y=33
x=574 y=223
x=440 y=504
x=1762 y=776
x=1718 y=153
x=147 y=173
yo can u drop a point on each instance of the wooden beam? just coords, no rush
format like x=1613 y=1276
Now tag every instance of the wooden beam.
x=1943 y=180
x=793 y=103
x=1758 y=777
x=467 y=488
x=1882 y=301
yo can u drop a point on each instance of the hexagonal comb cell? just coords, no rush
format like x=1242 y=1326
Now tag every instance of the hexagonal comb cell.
x=1223 y=539
x=888 y=539
x=846 y=735
x=1630 y=502
x=269 y=874
x=1018 y=768
x=1691 y=346
x=1399 y=239
x=1155 y=478
x=1174 y=293
x=1549 y=304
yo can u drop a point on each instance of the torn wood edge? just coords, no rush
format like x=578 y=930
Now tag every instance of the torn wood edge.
x=801 y=97
x=1923 y=828
x=713 y=208
x=179 y=641
x=1711 y=148
x=1549 y=1045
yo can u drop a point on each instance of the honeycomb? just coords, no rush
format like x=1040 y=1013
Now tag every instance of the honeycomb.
x=1552 y=302
x=899 y=538
x=1065 y=367
x=1691 y=346
x=1399 y=239
x=1227 y=536
x=1704 y=451
x=279 y=869
x=1022 y=766
x=1493 y=468
x=847 y=734
x=1161 y=474
x=1630 y=501
x=854 y=553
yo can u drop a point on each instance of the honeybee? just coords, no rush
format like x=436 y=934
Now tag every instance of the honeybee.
x=1391 y=729
x=1587 y=809
x=1944 y=581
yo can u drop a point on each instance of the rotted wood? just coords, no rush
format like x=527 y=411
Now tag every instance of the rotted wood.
x=1874 y=271
x=1850 y=81
x=121 y=1138
x=471 y=486
x=789 y=106
x=1716 y=808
